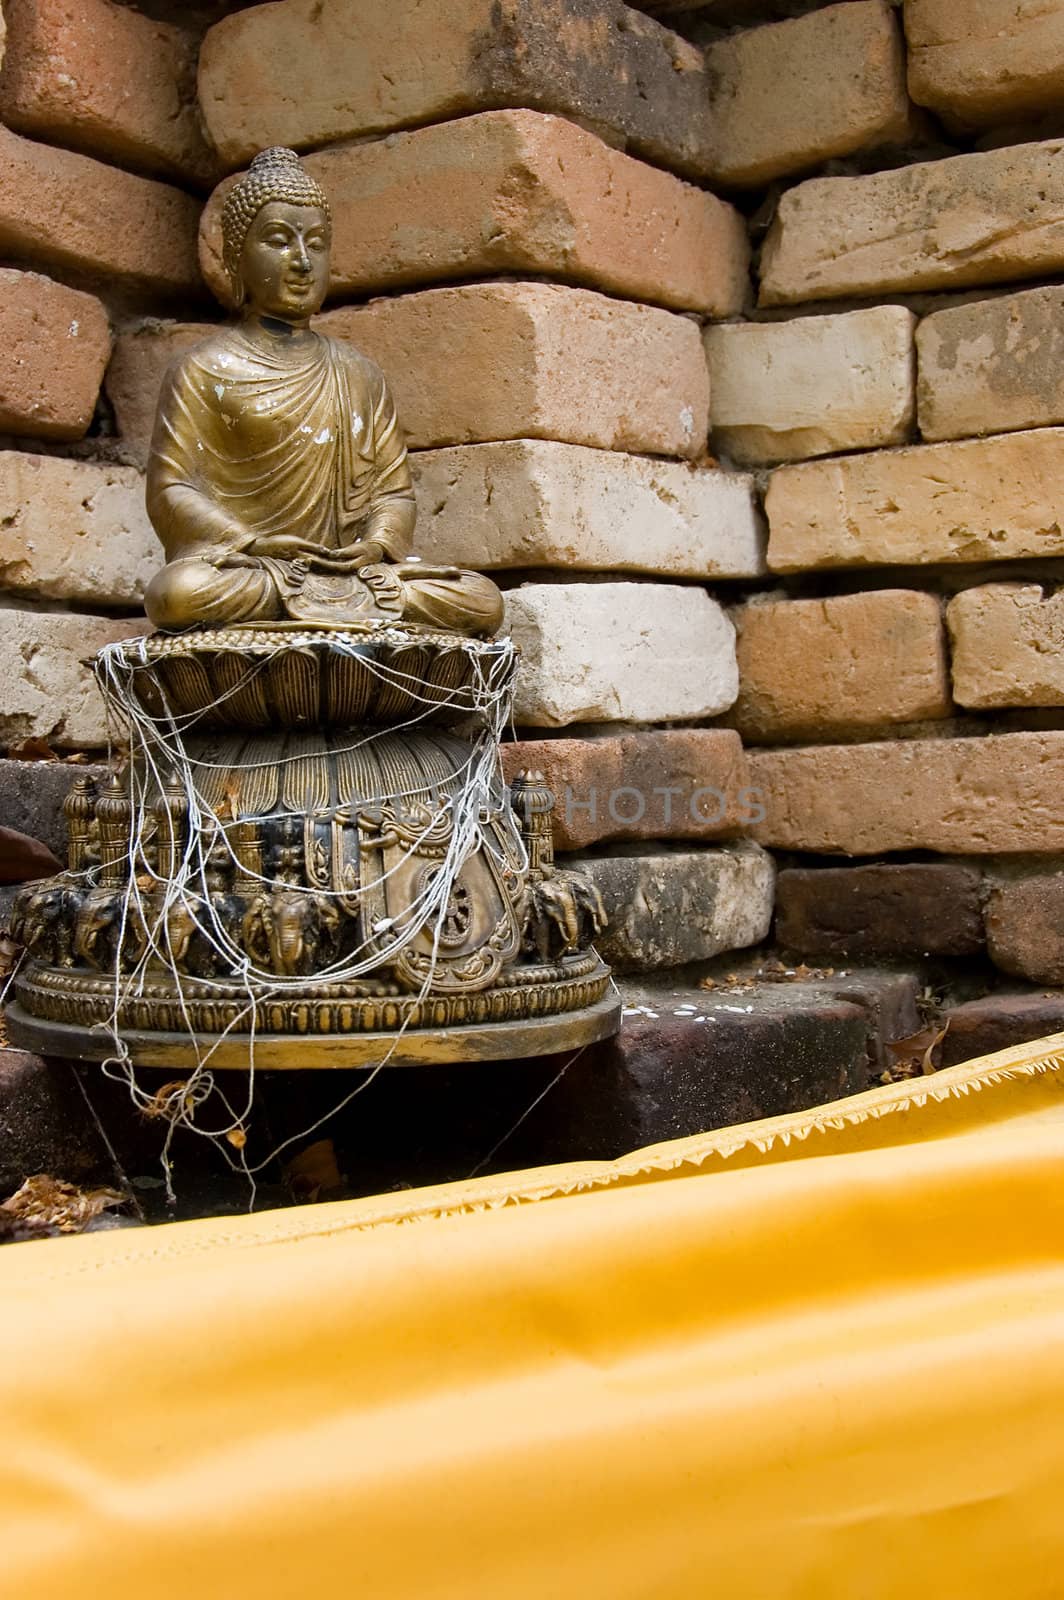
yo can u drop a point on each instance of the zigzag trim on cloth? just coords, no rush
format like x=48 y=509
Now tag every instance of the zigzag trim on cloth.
x=655 y=1162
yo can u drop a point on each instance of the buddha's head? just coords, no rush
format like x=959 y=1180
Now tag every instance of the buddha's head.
x=276 y=232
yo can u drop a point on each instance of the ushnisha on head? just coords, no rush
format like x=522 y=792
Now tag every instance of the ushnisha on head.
x=276 y=233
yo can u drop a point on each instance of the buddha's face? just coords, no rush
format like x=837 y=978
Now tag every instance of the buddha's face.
x=284 y=265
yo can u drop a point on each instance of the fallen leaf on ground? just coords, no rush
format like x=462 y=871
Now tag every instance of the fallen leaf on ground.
x=914 y=1056
x=49 y=1202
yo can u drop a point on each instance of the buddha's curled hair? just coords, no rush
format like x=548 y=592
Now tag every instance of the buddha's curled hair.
x=275 y=174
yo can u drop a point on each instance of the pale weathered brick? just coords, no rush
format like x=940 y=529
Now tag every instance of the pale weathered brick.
x=992 y=366
x=986 y=61
x=619 y=652
x=1008 y=646
x=105 y=79
x=667 y=783
x=969 y=219
x=54 y=345
x=312 y=72
x=516 y=191
x=536 y=360
x=986 y=796
x=787 y=96
x=49 y=692
x=782 y=391
x=140 y=359
x=814 y=668
x=978 y=500
x=535 y=503
x=66 y=210
x=668 y=909
x=74 y=530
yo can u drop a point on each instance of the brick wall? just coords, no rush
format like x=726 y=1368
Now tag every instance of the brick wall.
x=896 y=385
x=647 y=283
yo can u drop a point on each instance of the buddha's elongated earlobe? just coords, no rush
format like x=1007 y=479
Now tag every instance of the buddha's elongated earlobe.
x=236 y=289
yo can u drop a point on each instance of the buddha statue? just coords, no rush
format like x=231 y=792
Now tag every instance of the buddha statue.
x=278 y=481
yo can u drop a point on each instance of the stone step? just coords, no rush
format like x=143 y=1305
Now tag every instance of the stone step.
x=1000 y=1021
x=770 y=1048
x=45 y=1124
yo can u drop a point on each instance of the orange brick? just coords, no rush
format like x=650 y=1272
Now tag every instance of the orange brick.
x=991 y=796
x=814 y=668
x=681 y=783
x=68 y=211
x=107 y=80
x=54 y=345
x=516 y=191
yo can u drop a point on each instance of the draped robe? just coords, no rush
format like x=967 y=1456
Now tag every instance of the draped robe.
x=262 y=432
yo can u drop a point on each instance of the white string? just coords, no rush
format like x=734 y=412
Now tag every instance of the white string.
x=151 y=904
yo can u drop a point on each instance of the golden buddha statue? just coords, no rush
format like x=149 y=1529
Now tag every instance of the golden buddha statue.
x=278 y=481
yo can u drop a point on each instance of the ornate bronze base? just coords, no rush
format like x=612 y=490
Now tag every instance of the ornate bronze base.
x=272 y=882
x=417 y=1047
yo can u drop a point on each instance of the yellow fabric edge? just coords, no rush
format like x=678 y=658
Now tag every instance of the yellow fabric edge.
x=767 y=1138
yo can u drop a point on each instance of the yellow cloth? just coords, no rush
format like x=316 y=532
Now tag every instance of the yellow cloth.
x=814 y=1357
